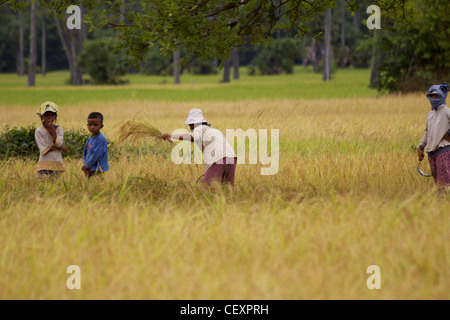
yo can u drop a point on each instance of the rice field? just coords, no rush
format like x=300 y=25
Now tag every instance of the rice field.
x=346 y=196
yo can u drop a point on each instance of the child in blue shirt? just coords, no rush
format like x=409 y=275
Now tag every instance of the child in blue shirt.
x=95 y=157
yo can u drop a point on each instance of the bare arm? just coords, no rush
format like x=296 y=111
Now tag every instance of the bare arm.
x=185 y=136
x=423 y=142
x=447 y=136
x=422 y=145
x=60 y=148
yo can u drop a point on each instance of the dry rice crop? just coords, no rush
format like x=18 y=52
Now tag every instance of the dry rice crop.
x=135 y=131
x=347 y=196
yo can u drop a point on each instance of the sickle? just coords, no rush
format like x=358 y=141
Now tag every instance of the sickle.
x=421 y=172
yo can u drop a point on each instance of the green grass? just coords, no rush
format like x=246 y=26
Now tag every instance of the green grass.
x=302 y=84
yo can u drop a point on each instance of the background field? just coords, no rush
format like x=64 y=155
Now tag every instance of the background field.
x=347 y=196
x=302 y=84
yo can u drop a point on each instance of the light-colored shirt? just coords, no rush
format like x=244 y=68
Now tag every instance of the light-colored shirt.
x=438 y=124
x=53 y=160
x=213 y=144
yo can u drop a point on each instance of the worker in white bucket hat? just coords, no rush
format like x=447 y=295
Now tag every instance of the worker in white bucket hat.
x=220 y=158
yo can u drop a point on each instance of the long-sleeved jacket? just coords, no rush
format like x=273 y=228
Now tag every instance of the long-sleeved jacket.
x=52 y=161
x=438 y=124
x=95 y=156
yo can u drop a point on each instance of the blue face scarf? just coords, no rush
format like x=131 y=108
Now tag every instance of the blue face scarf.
x=442 y=90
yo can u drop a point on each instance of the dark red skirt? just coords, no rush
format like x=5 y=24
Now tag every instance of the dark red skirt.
x=440 y=169
x=222 y=171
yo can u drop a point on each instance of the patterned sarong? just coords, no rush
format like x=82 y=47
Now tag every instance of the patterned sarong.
x=440 y=169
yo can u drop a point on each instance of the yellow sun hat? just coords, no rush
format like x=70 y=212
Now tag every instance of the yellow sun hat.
x=47 y=106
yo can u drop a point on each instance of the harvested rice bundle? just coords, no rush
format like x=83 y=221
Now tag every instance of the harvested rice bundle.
x=134 y=131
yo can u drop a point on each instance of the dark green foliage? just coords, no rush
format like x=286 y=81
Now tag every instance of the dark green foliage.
x=203 y=28
x=9 y=31
x=9 y=39
x=157 y=63
x=102 y=62
x=21 y=143
x=18 y=143
x=361 y=56
x=278 y=57
x=415 y=53
x=201 y=66
x=75 y=141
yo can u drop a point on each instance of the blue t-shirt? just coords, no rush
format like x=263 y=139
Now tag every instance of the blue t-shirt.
x=95 y=155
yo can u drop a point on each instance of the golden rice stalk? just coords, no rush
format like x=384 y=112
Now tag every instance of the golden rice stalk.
x=134 y=131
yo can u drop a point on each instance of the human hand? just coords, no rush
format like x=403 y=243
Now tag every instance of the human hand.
x=85 y=170
x=63 y=148
x=447 y=136
x=421 y=154
x=50 y=128
x=166 y=136
x=51 y=131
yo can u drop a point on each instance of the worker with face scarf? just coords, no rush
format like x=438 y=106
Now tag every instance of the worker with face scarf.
x=436 y=139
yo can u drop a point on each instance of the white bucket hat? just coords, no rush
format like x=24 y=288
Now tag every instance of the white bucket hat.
x=195 y=116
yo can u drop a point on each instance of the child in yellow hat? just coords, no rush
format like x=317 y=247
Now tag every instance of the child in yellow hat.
x=49 y=138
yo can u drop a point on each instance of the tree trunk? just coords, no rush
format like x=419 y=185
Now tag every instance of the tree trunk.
x=343 y=55
x=84 y=26
x=73 y=54
x=69 y=53
x=176 y=66
x=315 y=59
x=44 y=45
x=122 y=12
x=356 y=20
x=81 y=35
x=72 y=47
x=78 y=79
x=21 y=55
x=226 y=70
x=374 y=74
x=235 y=57
x=33 y=47
x=327 y=59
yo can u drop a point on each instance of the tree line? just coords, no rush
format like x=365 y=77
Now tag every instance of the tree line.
x=269 y=37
